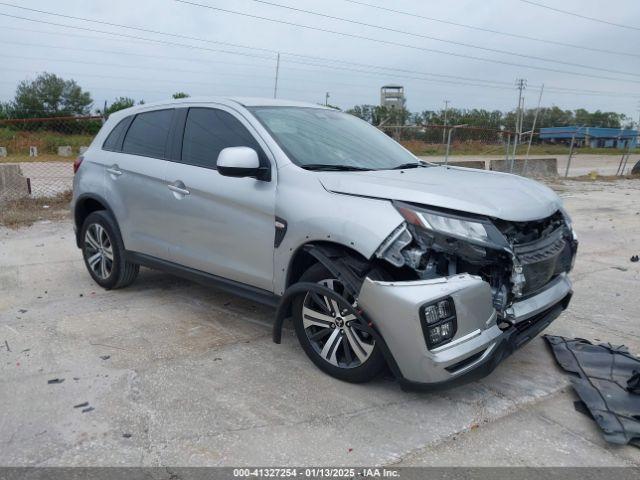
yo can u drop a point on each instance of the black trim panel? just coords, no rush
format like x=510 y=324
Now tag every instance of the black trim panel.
x=247 y=291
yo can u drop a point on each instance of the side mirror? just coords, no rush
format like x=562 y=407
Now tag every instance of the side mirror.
x=241 y=162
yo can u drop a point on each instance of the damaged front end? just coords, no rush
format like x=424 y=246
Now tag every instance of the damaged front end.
x=516 y=259
x=468 y=288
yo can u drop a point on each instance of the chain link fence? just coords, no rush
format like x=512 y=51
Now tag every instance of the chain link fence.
x=37 y=154
x=36 y=165
x=526 y=153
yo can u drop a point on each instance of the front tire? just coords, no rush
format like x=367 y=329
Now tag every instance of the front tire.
x=329 y=338
x=103 y=252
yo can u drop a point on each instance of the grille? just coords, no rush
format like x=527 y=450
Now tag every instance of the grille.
x=541 y=260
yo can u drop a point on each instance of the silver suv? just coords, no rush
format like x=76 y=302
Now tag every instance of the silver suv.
x=378 y=259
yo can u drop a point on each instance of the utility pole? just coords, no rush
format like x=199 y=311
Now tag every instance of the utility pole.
x=326 y=99
x=521 y=84
x=275 y=87
x=444 y=130
x=533 y=129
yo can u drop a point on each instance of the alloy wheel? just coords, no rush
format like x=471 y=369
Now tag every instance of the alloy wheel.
x=98 y=251
x=335 y=334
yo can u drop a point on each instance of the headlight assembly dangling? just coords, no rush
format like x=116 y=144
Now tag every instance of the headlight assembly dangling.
x=468 y=229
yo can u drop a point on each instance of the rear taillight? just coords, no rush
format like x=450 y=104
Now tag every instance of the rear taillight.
x=77 y=163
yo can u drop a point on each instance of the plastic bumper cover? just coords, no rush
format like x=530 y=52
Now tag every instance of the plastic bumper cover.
x=478 y=345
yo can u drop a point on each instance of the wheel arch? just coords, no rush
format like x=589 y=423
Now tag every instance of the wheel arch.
x=304 y=257
x=85 y=205
x=346 y=263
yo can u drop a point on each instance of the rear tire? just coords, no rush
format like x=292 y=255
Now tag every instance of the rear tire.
x=103 y=252
x=341 y=351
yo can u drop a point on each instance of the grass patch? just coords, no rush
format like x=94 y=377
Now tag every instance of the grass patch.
x=18 y=142
x=26 y=211
x=39 y=158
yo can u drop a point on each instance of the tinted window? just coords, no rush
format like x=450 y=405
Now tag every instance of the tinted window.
x=148 y=134
x=114 y=139
x=208 y=131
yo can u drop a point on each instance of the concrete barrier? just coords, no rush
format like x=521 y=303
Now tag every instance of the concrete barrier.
x=536 y=167
x=479 y=164
x=82 y=150
x=13 y=185
x=65 y=151
x=3 y=151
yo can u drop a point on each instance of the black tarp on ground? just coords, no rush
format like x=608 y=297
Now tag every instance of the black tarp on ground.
x=607 y=379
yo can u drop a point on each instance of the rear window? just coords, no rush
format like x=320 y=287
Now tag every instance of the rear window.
x=148 y=134
x=114 y=140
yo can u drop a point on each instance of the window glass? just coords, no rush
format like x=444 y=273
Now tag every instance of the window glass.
x=148 y=134
x=113 y=140
x=208 y=131
x=321 y=136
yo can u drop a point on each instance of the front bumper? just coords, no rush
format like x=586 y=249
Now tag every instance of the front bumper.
x=478 y=346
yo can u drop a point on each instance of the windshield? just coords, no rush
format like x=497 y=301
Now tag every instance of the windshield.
x=315 y=137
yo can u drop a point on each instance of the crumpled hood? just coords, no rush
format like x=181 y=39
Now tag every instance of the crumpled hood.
x=497 y=195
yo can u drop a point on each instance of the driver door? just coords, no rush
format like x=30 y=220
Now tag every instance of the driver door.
x=220 y=225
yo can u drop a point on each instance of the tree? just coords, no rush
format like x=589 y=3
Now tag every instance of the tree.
x=365 y=112
x=49 y=95
x=6 y=110
x=376 y=115
x=119 y=103
x=178 y=95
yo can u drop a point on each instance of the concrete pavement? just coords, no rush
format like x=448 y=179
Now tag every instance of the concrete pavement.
x=182 y=375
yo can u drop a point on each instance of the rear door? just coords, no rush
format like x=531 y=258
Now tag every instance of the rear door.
x=135 y=180
x=221 y=225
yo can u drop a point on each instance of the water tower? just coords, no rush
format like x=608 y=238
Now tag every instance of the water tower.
x=392 y=96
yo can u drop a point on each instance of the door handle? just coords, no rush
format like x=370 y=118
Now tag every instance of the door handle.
x=114 y=170
x=181 y=191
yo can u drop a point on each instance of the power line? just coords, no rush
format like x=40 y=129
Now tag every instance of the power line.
x=497 y=85
x=311 y=64
x=405 y=45
x=322 y=65
x=247 y=54
x=593 y=19
x=125 y=35
x=140 y=29
x=490 y=30
x=129 y=54
x=139 y=67
x=176 y=83
x=275 y=52
x=466 y=80
x=164 y=42
x=146 y=80
x=429 y=37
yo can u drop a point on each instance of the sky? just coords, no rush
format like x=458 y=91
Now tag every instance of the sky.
x=205 y=52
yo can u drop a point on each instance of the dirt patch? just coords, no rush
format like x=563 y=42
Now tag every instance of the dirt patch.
x=26 y=211
x=594 y=176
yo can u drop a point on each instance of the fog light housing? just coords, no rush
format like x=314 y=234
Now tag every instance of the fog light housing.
x=438 y=322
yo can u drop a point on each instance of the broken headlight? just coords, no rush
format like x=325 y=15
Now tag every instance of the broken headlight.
x=472 y=229
x=569 y=222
